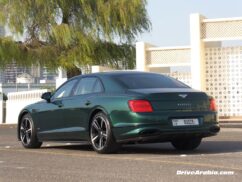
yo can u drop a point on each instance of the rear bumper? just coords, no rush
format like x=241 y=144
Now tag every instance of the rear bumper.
x=158 y=126
x=154 y=133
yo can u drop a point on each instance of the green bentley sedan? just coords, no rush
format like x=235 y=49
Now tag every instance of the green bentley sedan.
x=114 y=108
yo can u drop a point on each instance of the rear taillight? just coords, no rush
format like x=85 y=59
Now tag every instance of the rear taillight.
x=213 y=106
x=140 y=106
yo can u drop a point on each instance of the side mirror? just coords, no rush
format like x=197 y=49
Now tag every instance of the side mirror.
x=46 y=96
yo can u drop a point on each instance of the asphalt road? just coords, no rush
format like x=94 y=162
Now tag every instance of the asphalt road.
x=149 y=162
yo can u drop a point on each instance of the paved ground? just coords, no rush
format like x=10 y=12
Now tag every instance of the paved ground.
x=153 y=162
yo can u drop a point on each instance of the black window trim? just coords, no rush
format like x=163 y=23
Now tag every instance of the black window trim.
x=98 y=80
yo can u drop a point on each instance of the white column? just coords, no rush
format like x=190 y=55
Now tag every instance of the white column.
x=197 y=52
x=141 y=56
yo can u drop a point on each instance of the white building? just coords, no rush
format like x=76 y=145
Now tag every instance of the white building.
x=206 y=64
x=24 y=78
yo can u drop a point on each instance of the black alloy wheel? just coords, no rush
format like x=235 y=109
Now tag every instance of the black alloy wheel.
x=101 y=136
x=27 y=133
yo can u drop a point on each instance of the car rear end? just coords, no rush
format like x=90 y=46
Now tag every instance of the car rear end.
x=166 y=114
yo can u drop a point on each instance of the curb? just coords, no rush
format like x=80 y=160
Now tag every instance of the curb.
x=230 y=124
x=4 y=125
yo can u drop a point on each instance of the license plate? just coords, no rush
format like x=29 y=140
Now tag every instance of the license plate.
x=185 y=122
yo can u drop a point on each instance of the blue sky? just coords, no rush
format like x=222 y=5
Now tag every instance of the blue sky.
x=170 y=18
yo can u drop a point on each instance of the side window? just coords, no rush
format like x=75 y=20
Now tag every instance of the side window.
x=65 y=90
x=85 y=86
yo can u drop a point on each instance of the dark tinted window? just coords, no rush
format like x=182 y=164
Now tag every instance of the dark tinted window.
x=65 y=90
x=87 y=86
x=142 y=81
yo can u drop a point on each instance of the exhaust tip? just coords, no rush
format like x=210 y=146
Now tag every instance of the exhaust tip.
x=149 y=132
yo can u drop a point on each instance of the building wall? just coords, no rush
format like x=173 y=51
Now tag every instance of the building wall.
x=224 y=78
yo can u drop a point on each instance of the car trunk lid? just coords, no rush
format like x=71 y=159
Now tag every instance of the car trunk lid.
x=182 y=99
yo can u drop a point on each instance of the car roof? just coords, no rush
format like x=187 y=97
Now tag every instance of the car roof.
x=113 y=73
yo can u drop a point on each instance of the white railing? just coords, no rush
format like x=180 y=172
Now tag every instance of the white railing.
x=168 y=56
x=18 y=100
x=1 y=108
x=221 y=29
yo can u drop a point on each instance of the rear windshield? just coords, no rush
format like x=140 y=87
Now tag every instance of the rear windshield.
x=143 y=81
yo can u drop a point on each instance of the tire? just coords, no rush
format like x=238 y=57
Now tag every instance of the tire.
x=27 y=133
x=186 y=143
x=101 y=135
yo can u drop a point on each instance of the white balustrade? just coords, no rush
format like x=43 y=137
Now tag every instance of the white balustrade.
x=18 y=100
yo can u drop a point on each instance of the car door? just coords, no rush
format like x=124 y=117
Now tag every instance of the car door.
x=78 y=107
x=51 y=125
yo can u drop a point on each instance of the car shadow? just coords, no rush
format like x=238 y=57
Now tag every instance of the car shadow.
x=70 y=146
x=206 y=147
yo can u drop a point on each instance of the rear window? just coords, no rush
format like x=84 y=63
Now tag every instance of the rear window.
x=143 y=81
